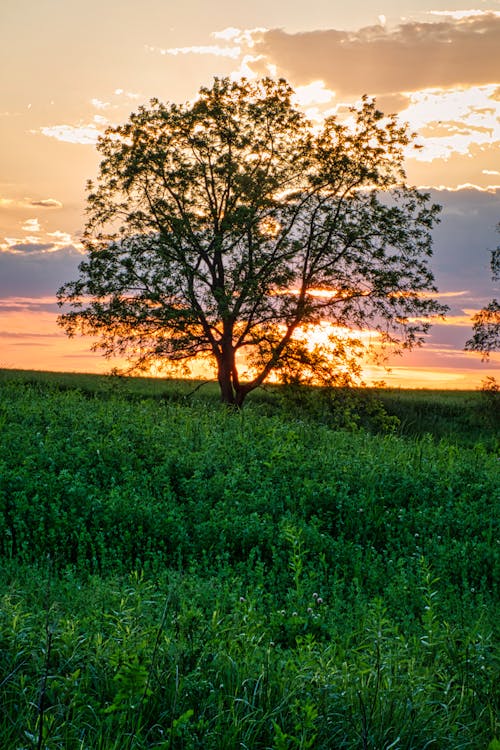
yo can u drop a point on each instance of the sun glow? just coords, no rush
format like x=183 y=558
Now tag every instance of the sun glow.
x=269 y=227
x=30 y=339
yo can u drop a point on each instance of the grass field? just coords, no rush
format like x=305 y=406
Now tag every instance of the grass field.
x=312 y=572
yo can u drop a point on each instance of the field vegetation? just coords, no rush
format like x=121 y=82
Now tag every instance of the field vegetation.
x=320 y=570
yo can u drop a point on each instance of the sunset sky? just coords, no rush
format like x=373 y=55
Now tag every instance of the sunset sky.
x=70 y=69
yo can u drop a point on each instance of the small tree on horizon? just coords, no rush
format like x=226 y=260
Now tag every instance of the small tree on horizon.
x=486 y=323
x=228 y=225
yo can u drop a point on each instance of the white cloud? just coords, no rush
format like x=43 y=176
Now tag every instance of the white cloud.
x=128 y=94
x=31 y=225
x=36 y=241
x=452 y=121
x=210 y=49
x=242 y=40
x=244 y=37
x=313 y=93
x=464 y=186
x=98 y=104
x=82 y=134
x=459 y=15
x=227 y=34
x=60 y=236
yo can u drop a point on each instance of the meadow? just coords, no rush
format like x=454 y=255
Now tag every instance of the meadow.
x=315 y=571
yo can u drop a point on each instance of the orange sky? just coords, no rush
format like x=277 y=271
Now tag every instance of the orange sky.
x=71 y=69
x=33 y=341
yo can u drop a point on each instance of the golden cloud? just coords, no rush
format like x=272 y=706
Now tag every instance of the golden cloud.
x=455 y=51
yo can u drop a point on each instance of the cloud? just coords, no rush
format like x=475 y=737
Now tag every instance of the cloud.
x=314 y=93
x=241 y=41
x=28 y=247
x=213 y=49
x=442 y=76
x=62 y=238
x=31 y=225
x=458 y=15
x=455 y=51
x=462 y=241
x=19 y=336
x=24 y=304
x=46 y=203
x=36 y=246
x=459 y=171
x=239 y=36
x=98 y=104
x=450 y=294
x=449 y=122
x=37 y=272
x=39 y=242
x=86 y=135
x=456 y=319
x=10 y=203
x=128 y=94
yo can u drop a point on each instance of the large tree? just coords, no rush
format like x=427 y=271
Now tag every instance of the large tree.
x=486 y=323
x=224 y=226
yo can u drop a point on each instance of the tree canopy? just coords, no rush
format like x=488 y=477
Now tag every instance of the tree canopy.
x=486 y=323
x=226 y=226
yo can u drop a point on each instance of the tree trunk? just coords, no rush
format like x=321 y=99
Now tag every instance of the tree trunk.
x=227 y=395
x=225 y=370
x=232 y=392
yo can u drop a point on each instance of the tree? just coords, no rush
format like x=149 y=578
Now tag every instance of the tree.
x=486 y=323
x=227 y=225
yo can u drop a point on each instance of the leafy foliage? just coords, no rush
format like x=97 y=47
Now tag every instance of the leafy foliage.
x=222 y=227
x=486 y=328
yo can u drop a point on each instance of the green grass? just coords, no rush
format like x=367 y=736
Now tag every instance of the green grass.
x=175 y=575
x=463 y=417
x=459 y=417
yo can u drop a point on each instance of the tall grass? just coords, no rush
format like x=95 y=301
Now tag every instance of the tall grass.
x=179 y=576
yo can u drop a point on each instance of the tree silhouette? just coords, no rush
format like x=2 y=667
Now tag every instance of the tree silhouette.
x=225 y=226
x=486 y=323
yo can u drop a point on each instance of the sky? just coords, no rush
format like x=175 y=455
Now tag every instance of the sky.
x=69 y=69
